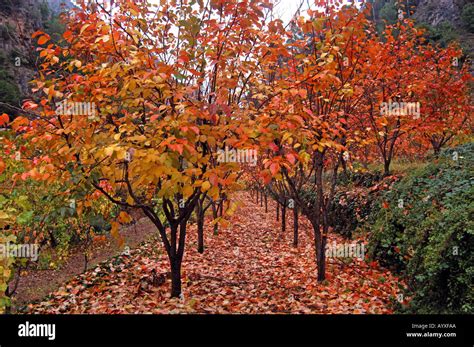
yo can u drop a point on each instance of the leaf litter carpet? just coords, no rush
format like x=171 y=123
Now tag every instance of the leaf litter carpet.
x=249 y=267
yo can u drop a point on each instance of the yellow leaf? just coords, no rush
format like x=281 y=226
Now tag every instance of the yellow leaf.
x=187 y=191
x=213 y=192
x=84 y=27
x=124 y=217
x=109 y=151
x=205 y=186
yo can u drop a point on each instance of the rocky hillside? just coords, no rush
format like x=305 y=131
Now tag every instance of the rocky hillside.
x=18 y=20
x=454 y=13
x=435 y=12
x=445 y=20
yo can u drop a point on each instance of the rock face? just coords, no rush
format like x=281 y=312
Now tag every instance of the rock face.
x=434 y=12
x=19 y=19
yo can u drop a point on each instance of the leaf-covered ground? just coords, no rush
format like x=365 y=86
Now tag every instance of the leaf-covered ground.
x=250 y=267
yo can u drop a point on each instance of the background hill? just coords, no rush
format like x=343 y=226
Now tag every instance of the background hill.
x=18 y=20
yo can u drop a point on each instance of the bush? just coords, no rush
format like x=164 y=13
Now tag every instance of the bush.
x=355 y=199
x=424 y=231
x=467 y=17
x=9 y=94
x=442 y=34
x=55 y=28
x=389 y=12
x=361 y=179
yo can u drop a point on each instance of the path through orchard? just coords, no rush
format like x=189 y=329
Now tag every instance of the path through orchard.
x=249 y=267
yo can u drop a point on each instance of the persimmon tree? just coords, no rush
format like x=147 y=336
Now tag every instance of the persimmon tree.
x=170 y=85
x=445 y=96
x=307 y=115
x=392 y=72
x=401 y=69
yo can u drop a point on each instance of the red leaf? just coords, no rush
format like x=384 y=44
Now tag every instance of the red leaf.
x=273 y=147
x=43 y=39
x=291 y=158
x=274 y=168
x=4 y=119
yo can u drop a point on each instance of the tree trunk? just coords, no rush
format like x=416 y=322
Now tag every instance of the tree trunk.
x=283 y=217
x=200 y=226
x=221 y=207
x=174 y=241
x=320 y=249
x=215 y=216
x=295 y=227
x=266 y=203
x=319 y=238
x=175 y=277
x=386 y=167
x=436 y=148
x=278 y=211
x=201 y=234
x=322 y=259
x=52 y=239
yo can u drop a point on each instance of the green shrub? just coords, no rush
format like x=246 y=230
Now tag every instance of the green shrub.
x=55 y=28
x=9 y=94
x=443 y=34
x=424 y=231
x=354 y=200
x=361 y=179
x=467 y=16
x=389 y=12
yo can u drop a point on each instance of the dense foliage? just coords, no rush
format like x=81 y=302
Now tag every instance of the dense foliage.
x=425 y=230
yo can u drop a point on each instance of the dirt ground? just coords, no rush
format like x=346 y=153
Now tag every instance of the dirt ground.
x=36 y=284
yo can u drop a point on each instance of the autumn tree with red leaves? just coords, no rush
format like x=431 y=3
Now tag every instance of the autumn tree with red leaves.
x=170 y=86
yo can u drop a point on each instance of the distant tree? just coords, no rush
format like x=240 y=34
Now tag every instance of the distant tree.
x=389 y=12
